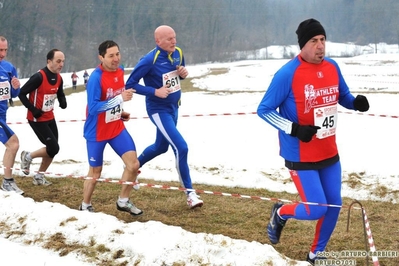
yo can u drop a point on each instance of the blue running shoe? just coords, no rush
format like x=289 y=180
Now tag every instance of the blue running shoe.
x=276 y=224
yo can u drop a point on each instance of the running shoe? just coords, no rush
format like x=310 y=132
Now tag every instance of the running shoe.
x=88 y=208
x=39 y=180
x=312 y=261
x=130 y=208
x=11 y=186
x=193 y=200
x=25 y=163
x=137 y=185
x=276 y=224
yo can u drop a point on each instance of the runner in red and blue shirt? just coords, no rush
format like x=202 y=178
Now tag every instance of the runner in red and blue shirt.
x=104 y=125
x=306 y=91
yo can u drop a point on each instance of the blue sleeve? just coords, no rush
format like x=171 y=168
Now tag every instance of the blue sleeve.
x=142 y=68
x=279 y=96
x=95 y=105
x=14 y=92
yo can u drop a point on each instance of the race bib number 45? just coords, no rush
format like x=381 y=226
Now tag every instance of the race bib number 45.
x=172 y=80
x=326 y=119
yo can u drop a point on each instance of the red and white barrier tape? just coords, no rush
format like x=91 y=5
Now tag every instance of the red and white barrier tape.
x=167 y=187
x=370 y=239
x=366 y=114
x=215 y=114
x=373 y=81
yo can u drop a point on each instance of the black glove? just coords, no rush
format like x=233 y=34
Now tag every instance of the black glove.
x=304 y=133
x=37 y=113
x=361 y=103
x=63 y=103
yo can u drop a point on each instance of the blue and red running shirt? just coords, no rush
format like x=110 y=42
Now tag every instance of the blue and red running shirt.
x=104 y=104
x=307 y=94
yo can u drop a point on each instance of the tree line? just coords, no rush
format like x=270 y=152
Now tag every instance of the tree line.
x=207 y=30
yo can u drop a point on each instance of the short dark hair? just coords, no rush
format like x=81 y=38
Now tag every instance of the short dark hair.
x=50 y=54
x=102 y=48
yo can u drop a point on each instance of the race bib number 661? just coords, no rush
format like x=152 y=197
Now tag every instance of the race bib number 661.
x=172 y=80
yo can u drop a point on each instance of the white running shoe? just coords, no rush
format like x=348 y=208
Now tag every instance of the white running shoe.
x=11 y=186
x=193 y=201
x=130 y=208
x=87 y=209
x=39 y=180
x=25 y=163
x=137 y=185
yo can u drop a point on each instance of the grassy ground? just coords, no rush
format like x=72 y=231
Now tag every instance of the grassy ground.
x=236 y=217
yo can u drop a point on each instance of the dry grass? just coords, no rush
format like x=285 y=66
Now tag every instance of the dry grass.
x=188 y=86
x=236 y=217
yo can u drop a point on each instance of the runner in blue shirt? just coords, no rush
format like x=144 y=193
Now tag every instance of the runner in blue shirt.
x=162 y=69
x=9 y=88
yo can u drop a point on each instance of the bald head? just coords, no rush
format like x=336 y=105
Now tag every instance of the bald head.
x=165 y=38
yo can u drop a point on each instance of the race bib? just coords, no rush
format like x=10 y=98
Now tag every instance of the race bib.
x=326 y=119
x=48 y=102
x=113 y=114
x=5 y=93
x=172 y=80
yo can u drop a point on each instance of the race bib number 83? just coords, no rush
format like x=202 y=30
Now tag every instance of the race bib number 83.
x=4 y=90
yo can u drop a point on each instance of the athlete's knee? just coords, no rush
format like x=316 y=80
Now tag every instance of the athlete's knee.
x=183 y=149
x=317 y=211
x=136 y=165
x=13 y=144
x=52 y=148
x=163 y=148
x=133 y=166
